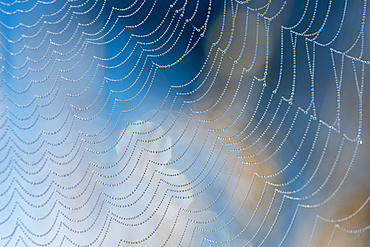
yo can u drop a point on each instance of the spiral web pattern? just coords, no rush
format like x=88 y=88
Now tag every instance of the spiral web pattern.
x=184 y=123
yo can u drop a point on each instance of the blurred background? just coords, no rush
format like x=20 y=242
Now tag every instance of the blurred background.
x=184 y=123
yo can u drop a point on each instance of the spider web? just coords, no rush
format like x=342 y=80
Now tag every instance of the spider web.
x=184 y=123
